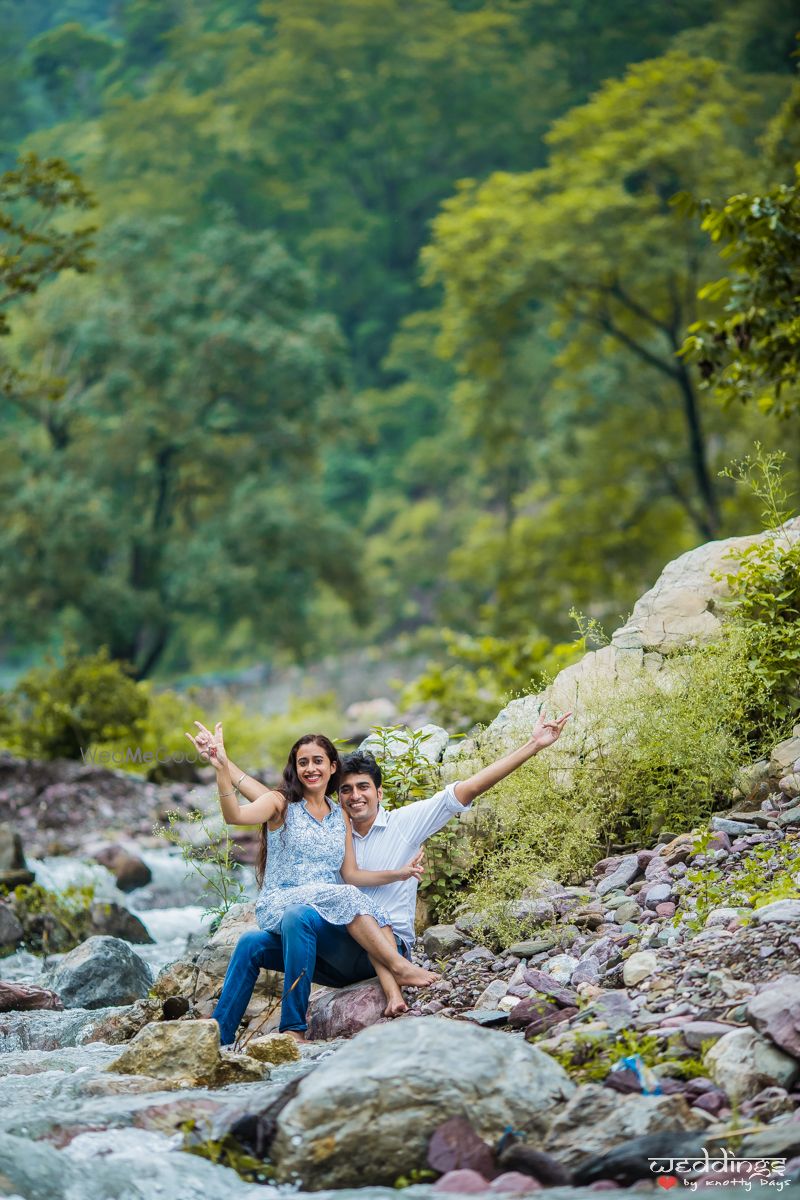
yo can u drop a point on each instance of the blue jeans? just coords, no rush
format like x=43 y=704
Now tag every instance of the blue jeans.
x=308 y=949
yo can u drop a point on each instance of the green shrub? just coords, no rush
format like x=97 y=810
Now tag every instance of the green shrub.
x=58 y=711
x=171 y=714
x=765 y=594
x=478 y=675
x=652 y=754
x=53 y=922
x=408 y=775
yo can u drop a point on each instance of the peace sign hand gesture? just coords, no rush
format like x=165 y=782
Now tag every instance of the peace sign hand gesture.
x=210 y=746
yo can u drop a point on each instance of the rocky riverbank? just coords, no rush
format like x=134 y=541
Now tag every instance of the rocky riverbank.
x=638 y=1030
x=652 y=1011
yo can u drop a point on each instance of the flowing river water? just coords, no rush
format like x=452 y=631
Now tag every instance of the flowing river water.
x=63 y=1134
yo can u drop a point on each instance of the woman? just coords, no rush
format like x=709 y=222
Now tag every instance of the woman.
x=306 y=836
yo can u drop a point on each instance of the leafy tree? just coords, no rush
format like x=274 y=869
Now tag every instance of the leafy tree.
x=751 y=352
x=593 y=237
x=68 y=60
x=180 y=472
x=36 y=246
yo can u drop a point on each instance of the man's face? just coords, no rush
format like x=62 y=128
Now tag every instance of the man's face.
x=360 y=798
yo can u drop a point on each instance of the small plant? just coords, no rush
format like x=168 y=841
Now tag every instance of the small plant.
x=226 y=1152
x=209 y=855
x=767 y=872
x=414 y=1176
x=57 y=711
x=589 y=1059
x=53 y=922
x=407 y=773
x=765 y=594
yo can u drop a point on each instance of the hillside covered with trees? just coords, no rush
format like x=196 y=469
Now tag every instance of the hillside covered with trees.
x=349 y=322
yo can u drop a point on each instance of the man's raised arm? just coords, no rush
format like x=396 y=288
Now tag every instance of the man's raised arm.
x=543 y=735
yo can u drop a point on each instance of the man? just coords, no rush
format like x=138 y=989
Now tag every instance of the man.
x=383 y=841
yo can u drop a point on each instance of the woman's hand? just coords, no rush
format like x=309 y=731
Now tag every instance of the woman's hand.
x=210 y=746
x=413 y=869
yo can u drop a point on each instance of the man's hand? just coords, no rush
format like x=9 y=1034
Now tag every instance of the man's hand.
x=547 y=731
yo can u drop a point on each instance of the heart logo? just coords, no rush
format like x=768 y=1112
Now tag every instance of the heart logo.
x=667 y=1181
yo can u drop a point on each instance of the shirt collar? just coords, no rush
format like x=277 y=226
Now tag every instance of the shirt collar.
x=381 y=820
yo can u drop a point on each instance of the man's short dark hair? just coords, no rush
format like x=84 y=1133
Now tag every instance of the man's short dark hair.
x=361 y=762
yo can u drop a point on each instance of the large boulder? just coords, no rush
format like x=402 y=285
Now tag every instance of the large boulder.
x=440 y=941
x=744 y=1062
x=101 y=972
x=13 y=868
x=114 y=920
x=185 y=1054
x=342 y=1012
x=682 y=610
x=366 y=1114
x=597 y=1118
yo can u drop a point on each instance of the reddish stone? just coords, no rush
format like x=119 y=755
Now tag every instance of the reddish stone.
x=665 y=909
x=462 y=1183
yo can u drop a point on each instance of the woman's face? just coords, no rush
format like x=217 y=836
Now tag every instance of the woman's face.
x=314 y=768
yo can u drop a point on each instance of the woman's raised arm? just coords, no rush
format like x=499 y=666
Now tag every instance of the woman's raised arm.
x=352 y=873
x=267 y=803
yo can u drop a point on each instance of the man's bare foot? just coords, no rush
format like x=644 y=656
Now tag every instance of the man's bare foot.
x=297 y=1036
x=408 y=974
x=395 y=1008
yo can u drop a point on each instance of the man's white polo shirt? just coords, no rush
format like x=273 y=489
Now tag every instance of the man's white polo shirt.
x=394 y=839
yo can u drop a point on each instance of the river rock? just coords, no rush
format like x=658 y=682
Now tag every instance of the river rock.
x=400 y=1082
x=11 y=932
x=341 y=1012
x=597 y=1118
x=779 y=911
x=659 y=893
x=128 y=869
x=784 y=755
x=114 y=920
x=440 y=941
x=560 y=967
x=102 y=971
x=275 y=1048
x=13 y=868
x=744 y=1062
x=621 y=876
x=491 y=995
x=790 y=785
x=17 y=997
x=185 y=1054
x=775 y=1011
x=639 y=966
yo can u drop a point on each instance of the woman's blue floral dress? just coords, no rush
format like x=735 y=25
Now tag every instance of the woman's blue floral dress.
x=303 y=861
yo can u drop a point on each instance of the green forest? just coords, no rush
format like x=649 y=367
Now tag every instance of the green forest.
x=344 y=323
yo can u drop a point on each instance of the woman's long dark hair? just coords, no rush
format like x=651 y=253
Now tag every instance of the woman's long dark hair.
x=292 y=789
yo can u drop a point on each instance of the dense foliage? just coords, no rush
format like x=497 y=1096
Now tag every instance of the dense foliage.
x=260 y=428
